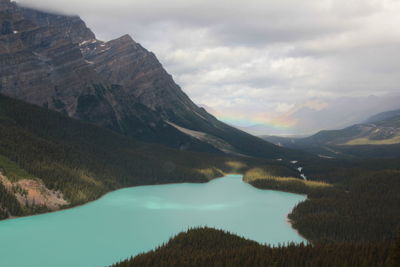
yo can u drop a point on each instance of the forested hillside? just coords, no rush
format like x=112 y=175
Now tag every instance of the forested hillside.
x=348 y=200
x=210 y=247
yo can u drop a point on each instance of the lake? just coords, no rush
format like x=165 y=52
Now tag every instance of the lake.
x=134 y=220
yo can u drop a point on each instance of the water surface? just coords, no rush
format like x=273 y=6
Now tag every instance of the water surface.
x=134 y=220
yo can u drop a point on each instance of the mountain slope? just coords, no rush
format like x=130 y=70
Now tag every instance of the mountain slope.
x=383 y=116
x=55 y=61
x=42 y=63
x=385 y=131
x=378 y=137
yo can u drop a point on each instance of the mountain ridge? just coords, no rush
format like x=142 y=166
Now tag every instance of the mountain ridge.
x=383 y=116
x=57 y=62
x=379 y=136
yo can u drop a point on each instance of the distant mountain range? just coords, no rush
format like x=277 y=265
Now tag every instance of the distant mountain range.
x=56 y=62
x=378 y=136
x=317 y=114
x=384 y=116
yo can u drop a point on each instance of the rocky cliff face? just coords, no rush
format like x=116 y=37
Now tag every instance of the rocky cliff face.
x=55 y=61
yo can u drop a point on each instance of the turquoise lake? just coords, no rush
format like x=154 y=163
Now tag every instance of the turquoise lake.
x=134 y=220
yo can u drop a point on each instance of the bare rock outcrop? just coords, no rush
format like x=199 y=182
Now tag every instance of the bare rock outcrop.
x=34 y=193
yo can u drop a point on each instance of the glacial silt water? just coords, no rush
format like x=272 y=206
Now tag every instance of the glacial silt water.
x=134 y=220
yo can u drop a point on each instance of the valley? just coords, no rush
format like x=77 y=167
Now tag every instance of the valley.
x=104 y=158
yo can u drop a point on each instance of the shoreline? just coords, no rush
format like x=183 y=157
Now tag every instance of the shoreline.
x=100 y=197
x=288 y=221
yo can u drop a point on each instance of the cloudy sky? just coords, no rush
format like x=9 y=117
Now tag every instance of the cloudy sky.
x=258 y=61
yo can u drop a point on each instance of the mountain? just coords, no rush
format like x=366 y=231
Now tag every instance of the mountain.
x=55 y=61
x=383 y=116
x=336 y=113
x=317 y=114
x=379 y=136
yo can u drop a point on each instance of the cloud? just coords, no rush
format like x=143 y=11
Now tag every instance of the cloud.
x=284 y=107
x=258 y=56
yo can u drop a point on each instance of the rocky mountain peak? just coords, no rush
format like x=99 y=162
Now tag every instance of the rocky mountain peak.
x=55 y=61
x=72 y=27
x=125 y=39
